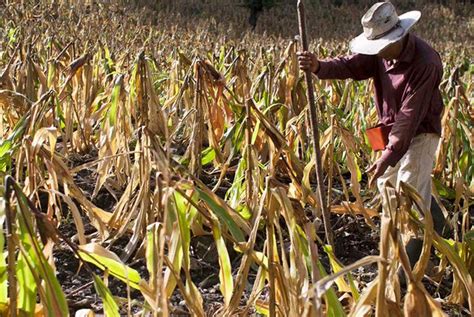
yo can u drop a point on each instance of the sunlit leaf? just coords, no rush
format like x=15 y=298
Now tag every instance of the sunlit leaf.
x=111 y=308
x=106 y=260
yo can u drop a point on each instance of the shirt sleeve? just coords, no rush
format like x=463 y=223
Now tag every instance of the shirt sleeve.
x=357 y=66
x=415 y=105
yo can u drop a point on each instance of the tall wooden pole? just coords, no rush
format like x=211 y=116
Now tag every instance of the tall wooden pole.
x=314 y=126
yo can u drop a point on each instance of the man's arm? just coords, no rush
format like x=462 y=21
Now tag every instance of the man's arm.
x=355 y=66
x=415 y=104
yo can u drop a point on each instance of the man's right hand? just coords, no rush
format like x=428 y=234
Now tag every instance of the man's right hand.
x=308 y=61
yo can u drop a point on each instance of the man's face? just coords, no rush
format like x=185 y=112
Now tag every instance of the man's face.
x=391 y=51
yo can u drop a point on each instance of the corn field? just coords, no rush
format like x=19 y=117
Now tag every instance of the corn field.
x=151 y=168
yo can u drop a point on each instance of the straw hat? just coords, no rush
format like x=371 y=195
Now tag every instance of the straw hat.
x=382 y=26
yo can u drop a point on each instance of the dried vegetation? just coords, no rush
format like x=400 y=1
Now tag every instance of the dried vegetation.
x=144 y=132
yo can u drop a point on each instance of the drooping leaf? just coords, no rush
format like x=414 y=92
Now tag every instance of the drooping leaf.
x=106 y=260
x=111 y=308
x=223 y=215
x=225 y=269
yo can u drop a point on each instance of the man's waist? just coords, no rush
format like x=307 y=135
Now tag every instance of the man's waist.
x=424 y=127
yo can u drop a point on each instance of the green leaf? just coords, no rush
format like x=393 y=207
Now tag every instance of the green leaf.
x=55 y=298
x=225 y=271
x=207 y=156
x=12 y=35
x=333 y=306
x=26 y=286
x=110 y=63
x=443 y=190
x=3 y=263
x=463 y=162
x=236 y=190
x=340 y=282
x=184 y=228
x=458 y=265
x=111 y=308
x=107 y=260
x=152 y=243
x=5 y=146
x=33 y=270
x=245 y=212
x=223 y=215
x=469 y=236
x=51 y=72
x=114 y=100
x=5 y=155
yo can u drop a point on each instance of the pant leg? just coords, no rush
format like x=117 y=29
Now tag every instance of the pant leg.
x=415 y=246
x=440 y=224
x=390 y=176
x=415 y=169
x=417 y=164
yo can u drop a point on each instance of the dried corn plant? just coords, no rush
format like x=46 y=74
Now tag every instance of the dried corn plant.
x=203 y=140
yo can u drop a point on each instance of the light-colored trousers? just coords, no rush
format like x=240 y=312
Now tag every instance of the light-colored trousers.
x=414 y=168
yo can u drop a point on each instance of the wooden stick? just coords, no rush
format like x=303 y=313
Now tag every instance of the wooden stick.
x=314 y=126
x=248 y=153
x=271 y=262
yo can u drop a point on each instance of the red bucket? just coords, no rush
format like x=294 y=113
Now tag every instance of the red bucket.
x=378 y=136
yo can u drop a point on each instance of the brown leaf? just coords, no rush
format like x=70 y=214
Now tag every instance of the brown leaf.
x=415 y=302
x=351 y=208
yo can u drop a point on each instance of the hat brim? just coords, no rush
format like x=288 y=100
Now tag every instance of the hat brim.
x=362 y=45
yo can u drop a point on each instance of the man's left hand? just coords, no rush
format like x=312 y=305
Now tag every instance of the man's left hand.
x=379 y=168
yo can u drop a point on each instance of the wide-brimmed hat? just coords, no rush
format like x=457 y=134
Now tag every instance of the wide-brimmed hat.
x=382 y=26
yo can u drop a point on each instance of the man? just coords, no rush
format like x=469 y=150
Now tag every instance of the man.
x=406 y=72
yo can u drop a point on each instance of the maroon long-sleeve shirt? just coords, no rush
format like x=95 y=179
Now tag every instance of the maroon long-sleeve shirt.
x=406 y=91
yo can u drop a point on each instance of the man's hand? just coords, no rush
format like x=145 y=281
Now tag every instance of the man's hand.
x=308 y=61
x=379 y=168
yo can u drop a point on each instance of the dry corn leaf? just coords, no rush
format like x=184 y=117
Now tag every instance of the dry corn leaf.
x=354 y=209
